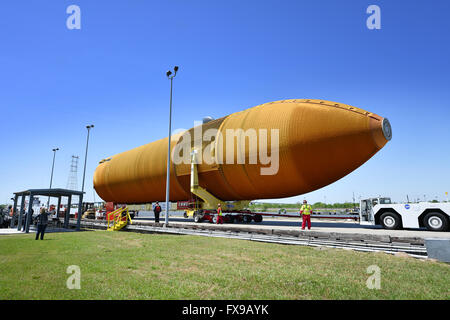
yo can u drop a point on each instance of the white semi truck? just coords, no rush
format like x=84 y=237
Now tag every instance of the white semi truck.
x=381 y=211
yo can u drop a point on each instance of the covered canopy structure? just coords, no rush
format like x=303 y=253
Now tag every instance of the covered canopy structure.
x=54 y=193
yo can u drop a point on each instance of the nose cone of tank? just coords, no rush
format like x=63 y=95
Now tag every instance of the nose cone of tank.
x=338 y=139
x=319 y=143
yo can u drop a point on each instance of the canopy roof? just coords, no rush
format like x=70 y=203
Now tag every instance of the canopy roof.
x=50 y=192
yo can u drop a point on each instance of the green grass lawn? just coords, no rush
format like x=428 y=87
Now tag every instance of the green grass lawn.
x=125 y=265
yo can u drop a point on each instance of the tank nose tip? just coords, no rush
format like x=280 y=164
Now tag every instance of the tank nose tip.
x=381 y=131
x=387 y=129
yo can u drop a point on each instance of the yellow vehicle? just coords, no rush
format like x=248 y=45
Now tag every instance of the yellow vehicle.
x=90 y=209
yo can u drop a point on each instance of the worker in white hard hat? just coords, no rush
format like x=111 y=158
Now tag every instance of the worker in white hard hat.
x=219 y=214
x=306 y=211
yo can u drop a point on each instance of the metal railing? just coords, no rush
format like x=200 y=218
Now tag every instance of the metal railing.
x=116 y=217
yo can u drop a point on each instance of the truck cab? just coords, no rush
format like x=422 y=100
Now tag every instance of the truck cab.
x=366 y=209
x=381 y=211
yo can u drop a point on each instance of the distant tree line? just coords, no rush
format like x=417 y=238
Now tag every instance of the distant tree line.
x=317 y=205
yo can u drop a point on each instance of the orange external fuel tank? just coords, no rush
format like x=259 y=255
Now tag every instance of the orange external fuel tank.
x=310 y=144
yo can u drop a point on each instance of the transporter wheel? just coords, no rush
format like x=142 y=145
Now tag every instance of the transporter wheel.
x=197 y=218
x=185 y=215
x=247 y=219
x=435 y=221
x=390 y=220
x=214 y=219
x=258 y=218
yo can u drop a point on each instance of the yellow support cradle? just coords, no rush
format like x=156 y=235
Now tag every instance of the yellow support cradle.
x=210 y=202
x=116 y=217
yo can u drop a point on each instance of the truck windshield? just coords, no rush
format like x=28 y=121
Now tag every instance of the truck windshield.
x=385 y=201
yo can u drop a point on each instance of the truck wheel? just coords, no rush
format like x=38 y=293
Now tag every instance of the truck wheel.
x=435 y=221
x=258 y=218
x=185 y=214
x=197 y=218
x=247 y=219
x=390 y=220
x=214 y=219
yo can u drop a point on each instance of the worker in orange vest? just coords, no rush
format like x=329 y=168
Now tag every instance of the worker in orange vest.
x=306 y=211
x=219 y=214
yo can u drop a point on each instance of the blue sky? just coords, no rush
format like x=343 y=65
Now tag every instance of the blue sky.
x=232 y=55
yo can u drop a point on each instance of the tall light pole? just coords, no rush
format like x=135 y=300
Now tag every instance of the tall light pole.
x=170 y=76
x=85 y=156
x=51 y=176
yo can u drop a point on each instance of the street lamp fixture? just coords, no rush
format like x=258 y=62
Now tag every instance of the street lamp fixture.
x=51 y=176
x=170 y=76
x=89 y=127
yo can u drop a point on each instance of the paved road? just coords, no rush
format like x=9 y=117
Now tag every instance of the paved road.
x=282 y=223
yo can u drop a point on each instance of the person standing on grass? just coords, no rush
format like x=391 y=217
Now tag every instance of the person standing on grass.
x=156 y=211
x=42 y=219
x=306 y=211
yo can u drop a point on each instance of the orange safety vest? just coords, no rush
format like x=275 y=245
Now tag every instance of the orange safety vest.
x=219 y=211
x=306 y=209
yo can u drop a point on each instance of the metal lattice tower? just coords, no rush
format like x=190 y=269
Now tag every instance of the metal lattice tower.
x=72 y=182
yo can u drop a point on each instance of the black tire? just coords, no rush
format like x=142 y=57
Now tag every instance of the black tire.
x=185 y=215
x=435 y=221
x=214 y=219
x=258 y=218
x=197 y=218
x=390 y=221
x=247 y=219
